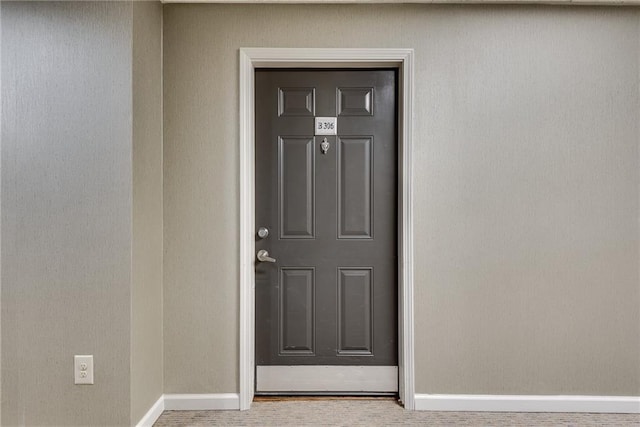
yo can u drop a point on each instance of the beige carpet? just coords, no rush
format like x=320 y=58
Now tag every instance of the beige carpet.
x=378 y=412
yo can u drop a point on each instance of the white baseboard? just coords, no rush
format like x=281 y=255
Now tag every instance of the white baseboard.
x=423 y=402
x=516 y=403
x=189 y=402
x=201 y=402
x=153 y=414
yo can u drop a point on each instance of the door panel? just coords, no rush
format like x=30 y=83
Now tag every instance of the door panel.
x=297 y=311
x=355 y=187
x=296 y=179
x=296 y=101
x=330 y=298
x=354 y=101
x=355 y=311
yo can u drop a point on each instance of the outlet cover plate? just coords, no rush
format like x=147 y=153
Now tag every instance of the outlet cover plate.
x=83 y=369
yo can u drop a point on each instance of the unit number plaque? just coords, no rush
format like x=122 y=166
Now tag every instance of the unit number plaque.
x=326 y=125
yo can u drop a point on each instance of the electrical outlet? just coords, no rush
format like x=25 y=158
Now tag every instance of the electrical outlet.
x=83 y=369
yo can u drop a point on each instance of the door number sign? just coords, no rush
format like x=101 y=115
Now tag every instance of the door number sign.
x=326 y=125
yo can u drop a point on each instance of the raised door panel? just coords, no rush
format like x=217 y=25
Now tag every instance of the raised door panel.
x=296 y=178
x=297 y=311
x=355 y=187
x=296 y=101
x=355 y=101
x=355 y=311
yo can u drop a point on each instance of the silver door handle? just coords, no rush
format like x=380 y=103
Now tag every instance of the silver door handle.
x=263 y=256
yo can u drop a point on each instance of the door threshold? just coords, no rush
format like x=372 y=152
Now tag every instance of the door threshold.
x=326 y=380
x=301 y=397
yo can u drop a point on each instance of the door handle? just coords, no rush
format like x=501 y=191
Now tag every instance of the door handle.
x=263 y=256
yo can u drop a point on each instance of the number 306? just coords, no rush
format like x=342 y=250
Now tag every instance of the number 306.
x=326 y=125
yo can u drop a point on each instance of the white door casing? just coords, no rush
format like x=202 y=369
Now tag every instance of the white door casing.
x=251 y=58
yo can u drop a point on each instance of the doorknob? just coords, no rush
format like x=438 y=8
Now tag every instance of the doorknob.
x=263 y=256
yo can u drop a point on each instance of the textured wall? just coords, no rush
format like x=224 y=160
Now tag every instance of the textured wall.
x=66 y=211
x=1 y=213
x=526 y=155
x=530 y=281
x=1 y=105
x=146 y=286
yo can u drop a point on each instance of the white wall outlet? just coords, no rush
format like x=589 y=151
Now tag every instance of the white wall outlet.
x=83 y=369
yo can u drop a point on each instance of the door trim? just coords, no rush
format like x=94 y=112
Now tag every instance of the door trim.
x=402 y=59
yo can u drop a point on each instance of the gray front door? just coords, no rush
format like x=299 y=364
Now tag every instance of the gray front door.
x=326 y=198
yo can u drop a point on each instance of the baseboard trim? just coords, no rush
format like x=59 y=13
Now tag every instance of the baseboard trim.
x=423 y=402
x=152 y=414
x=189 y=402
x=201 y=402
x=517 y=403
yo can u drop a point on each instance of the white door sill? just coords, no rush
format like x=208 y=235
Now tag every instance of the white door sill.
x=327 y=379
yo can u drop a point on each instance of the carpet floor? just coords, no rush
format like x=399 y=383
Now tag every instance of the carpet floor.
x=378 y=412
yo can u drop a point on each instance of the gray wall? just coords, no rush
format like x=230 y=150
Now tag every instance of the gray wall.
x=146 y=290
x=1 y=213
x=526 y=196
x=66 y=211
x=81 y=198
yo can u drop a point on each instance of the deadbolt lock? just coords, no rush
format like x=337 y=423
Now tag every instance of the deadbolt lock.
x=263 y=232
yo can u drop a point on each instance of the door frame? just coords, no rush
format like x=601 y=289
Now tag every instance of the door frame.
x=401 y=59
